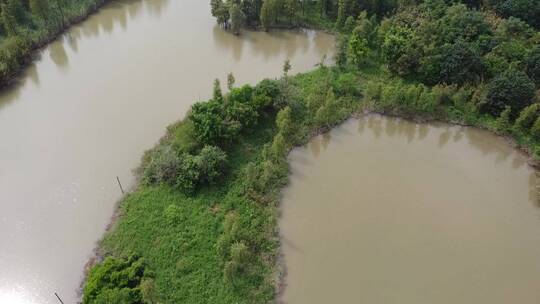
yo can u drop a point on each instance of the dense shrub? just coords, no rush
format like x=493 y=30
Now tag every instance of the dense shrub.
x=163 y=166
x=346 y=84
x=219 y=121
x=115 y=280
x=184 y=170
x=265 y=92
x=512 y=88
x=211 y=163
x=210 y=123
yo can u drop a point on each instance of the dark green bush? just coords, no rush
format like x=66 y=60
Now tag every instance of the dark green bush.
x=512 y=88
x=115 y=280
x=456 y=63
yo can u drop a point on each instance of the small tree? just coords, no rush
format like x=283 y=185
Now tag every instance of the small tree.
x=230 y=81
x=286 y=67
x=216 y=94
x=284 y=122
x=358 y=49
x=502 y=123
x=527 y=117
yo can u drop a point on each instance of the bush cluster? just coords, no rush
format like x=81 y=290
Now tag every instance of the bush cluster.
x=117 y=280
x=183 y=170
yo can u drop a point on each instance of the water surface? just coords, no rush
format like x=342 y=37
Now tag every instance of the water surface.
x=384 y=211
x=88 y=108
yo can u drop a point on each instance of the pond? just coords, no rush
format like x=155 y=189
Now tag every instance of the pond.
x=382 y=210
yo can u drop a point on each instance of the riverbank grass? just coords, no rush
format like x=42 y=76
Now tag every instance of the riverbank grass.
x=219 y=243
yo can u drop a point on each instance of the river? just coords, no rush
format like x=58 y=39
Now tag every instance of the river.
x=385 y=211
x=89 y=107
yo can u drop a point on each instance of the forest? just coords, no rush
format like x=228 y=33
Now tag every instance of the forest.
x=202 y=225
x=28 y=24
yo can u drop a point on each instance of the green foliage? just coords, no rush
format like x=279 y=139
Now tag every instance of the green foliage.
x=400 y=52
x=238 y=19
x=217 y=122
x=456 y=63
x=265 y=93
x=230 y=81
x=184 y=170
x=512 y=88
x=211 y=163
x=115 y=280
x=163 y=166
x=527 y=117
x=217 y=95
x=342 y=47
x=239 y=258
x=535 y=129
x=533 y=65
x=358 y=49
x=502 y=123
x=527 y=10
x=221 y=11
x=211 y=124
x=12 y=56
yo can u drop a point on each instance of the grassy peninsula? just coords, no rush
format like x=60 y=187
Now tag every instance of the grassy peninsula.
x=201 y=227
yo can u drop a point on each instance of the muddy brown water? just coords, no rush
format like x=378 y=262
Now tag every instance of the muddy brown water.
x=383 y=211
x=88 y=108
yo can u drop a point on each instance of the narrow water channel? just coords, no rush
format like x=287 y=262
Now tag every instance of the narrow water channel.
x=87 y=109
x=385 y=211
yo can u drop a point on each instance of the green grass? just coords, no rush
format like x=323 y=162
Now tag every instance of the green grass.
x=179 y=236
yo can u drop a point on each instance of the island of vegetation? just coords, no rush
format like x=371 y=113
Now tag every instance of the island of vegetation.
x=29 y=24
x=201 y=227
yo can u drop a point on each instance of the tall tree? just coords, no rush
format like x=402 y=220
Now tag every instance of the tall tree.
x=238 y=18
x=266 y=14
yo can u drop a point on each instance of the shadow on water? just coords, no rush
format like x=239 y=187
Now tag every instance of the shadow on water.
x=58 y=54
x=480 y=140
x=271 y=44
